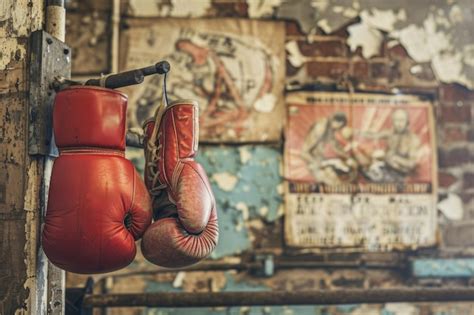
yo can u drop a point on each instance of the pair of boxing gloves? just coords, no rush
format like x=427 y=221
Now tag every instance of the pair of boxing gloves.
x=98 y=205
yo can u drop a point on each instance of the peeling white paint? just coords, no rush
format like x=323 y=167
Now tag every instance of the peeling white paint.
x=440 y=36
x=416 y=69
x=383 y=19
x=241 y=206
x=365 y=36
x=265 y=104
x=423 y=43
x=452 y=207
x=245 y=155
x=449 y=67
x=280 y=189
x=261 y=8
x=430 y=43
x=324 y=25
x=295 y=57
x=178 y=280
x=225 y=180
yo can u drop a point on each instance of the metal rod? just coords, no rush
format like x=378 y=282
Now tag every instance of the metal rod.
x=118 y=80
x=132 y=77
x=134 y=139
x=317 y=297
x=59 y=3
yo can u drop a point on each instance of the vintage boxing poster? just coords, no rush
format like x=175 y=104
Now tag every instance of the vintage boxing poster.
x=234 y=68
x=360 y=171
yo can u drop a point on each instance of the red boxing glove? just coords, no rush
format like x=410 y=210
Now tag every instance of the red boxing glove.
x=98 y=206
x=185 y=228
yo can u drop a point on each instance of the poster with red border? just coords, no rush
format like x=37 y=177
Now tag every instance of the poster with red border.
x=360 y=171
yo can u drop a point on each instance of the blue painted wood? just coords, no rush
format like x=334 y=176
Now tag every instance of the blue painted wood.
x=443 y=268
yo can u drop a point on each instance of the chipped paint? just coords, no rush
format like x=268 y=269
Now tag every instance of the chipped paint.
x=20 y=17
x=178 y=281
x=438 y=33
x=295 y=57
x=383 y=20
x=241 y=206
x=225 y=180
x=452 y=207
x=365 y=36
x=245 y=155
x=10 y=51
x=244 y=180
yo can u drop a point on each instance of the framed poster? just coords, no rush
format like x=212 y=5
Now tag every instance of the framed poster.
x=234 y=68
x=360 y=171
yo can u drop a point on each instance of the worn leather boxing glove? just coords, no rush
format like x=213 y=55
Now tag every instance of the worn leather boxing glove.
x=98 y=206
x=184 y=209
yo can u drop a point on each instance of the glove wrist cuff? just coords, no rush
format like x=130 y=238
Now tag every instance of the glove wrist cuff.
x=91 y=151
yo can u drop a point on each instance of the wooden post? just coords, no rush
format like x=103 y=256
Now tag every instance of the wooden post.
x=20 y=174
x=25 y=280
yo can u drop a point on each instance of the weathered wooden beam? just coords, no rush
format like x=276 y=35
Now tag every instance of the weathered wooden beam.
x=316 y=297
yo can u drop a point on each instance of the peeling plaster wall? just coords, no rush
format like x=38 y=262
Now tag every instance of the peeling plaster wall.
x=248 y=188
x=438 y=32
x=403 y=46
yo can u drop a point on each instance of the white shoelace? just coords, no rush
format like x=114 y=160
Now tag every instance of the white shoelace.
x=152 y=160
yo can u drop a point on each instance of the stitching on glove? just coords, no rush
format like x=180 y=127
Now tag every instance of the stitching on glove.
x=132 y=201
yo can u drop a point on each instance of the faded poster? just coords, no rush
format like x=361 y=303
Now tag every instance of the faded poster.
x=233 y=68
x=360 y=171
